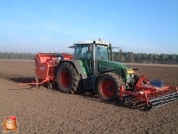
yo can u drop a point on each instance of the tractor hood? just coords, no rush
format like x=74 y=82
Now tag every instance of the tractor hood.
x=113 y=65
x=119 y=68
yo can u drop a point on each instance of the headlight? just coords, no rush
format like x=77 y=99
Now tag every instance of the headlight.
x=130 y=75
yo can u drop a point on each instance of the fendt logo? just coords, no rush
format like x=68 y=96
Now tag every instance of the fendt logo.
x=42 y=68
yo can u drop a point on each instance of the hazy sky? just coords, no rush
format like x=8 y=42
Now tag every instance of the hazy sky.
x=140 y=26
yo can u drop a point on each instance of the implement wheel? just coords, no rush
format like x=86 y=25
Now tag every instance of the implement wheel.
x=108 y=85
x=35 y=80
x=68 y=79
x=49 y=86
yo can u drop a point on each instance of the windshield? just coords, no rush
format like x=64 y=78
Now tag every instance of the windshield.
x=102 y=52
x=83 y=51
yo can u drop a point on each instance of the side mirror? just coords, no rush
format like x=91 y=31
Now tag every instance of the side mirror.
x=71 y=46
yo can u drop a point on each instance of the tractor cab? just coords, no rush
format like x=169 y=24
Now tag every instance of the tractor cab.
x=97 y=58
x=90 y=53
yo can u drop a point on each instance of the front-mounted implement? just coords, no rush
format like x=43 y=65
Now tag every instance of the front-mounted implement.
x=150 y=94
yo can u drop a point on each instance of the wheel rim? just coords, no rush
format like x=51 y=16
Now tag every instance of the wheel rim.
x=65 y=78
x=107 y=88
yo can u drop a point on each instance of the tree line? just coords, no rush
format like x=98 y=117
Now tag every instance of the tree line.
x=125 y=57
x=12 y=55
x=146 y=58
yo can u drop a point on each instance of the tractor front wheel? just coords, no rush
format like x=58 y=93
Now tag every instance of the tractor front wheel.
x=108 y=85
x=68 y=79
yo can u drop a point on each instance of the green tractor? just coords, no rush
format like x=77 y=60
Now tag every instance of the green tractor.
x=92 y=67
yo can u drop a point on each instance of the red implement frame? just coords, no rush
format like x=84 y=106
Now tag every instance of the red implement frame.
x=144 y=91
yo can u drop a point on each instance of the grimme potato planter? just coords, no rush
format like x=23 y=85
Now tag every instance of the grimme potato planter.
x=92 y=67
x=46 y=64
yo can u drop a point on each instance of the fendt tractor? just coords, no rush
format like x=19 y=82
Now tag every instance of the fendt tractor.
x=92 y=67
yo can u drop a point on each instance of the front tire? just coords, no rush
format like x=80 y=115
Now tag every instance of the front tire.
x=108 y=86
x=68 y=79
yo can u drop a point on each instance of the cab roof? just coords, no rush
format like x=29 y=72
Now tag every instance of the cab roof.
x=90 y=42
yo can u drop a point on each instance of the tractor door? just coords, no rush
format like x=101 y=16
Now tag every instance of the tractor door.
x=84 y=53
x=102 y=56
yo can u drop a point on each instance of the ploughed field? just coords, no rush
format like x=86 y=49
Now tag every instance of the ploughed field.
x=50 y=111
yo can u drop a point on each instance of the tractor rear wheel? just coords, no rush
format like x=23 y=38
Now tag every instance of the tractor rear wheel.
x=68 y=80
x=108 y=85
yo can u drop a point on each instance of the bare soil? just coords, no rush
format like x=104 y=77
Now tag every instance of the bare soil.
x=50 y=111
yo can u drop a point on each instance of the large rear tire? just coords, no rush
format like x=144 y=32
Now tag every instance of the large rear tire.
x=68 y=80
x=108 y=86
